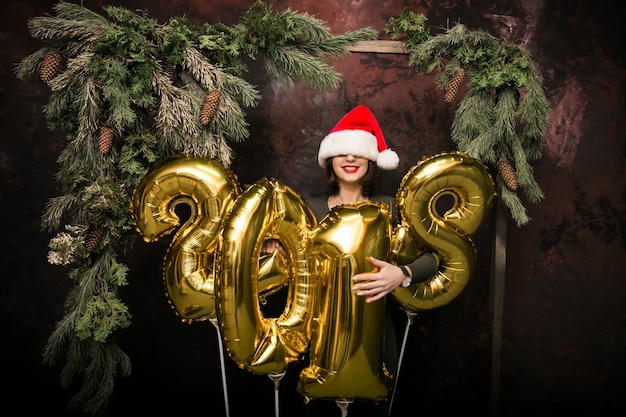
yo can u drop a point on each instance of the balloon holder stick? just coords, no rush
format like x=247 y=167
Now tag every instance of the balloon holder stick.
x=221 y=349
x=343 y=404
x=410 y=315
x=276 y=379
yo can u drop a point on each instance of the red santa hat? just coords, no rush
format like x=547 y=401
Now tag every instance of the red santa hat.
x=358 y=133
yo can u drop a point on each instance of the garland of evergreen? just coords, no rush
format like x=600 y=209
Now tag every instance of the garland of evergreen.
x=504 y=114
x=129 y=92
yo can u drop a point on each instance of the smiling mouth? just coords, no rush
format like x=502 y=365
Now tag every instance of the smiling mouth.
x=351 y=168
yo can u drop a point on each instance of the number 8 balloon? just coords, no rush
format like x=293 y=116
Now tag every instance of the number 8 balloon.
x=448 y=235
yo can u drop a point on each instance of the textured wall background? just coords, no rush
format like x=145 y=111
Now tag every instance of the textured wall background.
x=564 y=328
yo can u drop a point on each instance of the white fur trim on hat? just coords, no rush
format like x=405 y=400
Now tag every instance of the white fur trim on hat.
x=348 y=142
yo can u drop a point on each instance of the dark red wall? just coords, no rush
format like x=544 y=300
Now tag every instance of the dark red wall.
x=564 y=313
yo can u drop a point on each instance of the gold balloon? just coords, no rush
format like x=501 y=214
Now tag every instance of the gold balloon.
x=264 y=345
x=209 y=189
x=466 y=181
x=346 y=353
x=273 y=274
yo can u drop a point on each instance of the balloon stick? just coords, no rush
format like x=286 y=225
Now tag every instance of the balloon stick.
x=343 y=404
x=409 y=320
x=276 y=378
x=221 y=349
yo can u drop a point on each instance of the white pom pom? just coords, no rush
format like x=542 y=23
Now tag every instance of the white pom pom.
x=388 y=159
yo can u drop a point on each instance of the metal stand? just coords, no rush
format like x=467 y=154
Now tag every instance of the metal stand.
x=221 y=349
x=276 y=379
x=410 y=315
x=343 y=404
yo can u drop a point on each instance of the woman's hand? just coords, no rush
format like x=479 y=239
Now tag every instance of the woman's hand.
x=375 y=285
x=271 y=245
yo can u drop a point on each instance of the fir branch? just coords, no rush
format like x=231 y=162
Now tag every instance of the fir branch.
x=207 y=145
x=533 y=110
x=288 y=64
x=80 y=164
x=138 y=153
x=30 y=64
x=337 y=45
x=54 y=210
x=177 y=35
x=485 y=127
x=71 y=11
x=98 y=364
x=60 y=335
x=65 y=248
x=63 y=30
x=122 y=114
x=409 y=26
x=90 y=111
x=473 y=120
x=77 y=69
x=202 y=70
x=240 y=90
x=177 y=118
x=61 y=111
x=225 y=45
x=512 y=201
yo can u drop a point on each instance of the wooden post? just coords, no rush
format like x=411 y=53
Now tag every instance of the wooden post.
x=498 y=273
x=379 y=47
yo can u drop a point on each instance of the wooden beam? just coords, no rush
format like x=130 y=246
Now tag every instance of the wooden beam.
x=497 y=284
x=379 y=47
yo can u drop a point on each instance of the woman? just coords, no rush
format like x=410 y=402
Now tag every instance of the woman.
x=351 y=155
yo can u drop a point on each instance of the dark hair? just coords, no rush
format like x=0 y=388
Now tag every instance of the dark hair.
x=368 y=181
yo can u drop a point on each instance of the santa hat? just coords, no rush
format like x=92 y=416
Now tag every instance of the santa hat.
x=358 y=134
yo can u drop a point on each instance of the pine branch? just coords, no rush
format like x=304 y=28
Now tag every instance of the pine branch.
x=485 y=127
x=101 y=362
x=63 y=30
x=289 y=64
x=337 y=46
x=71 y=11
x=514 y=204
x=30 y=64
x=472 y=122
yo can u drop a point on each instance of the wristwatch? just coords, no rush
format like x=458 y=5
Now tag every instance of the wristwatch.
x=407 y=277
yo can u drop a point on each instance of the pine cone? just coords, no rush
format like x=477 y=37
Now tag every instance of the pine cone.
x=507 y=173
x=454 y=84
x=209 y=107
x=105 y=140
x=50 y=65
x=93 y=237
